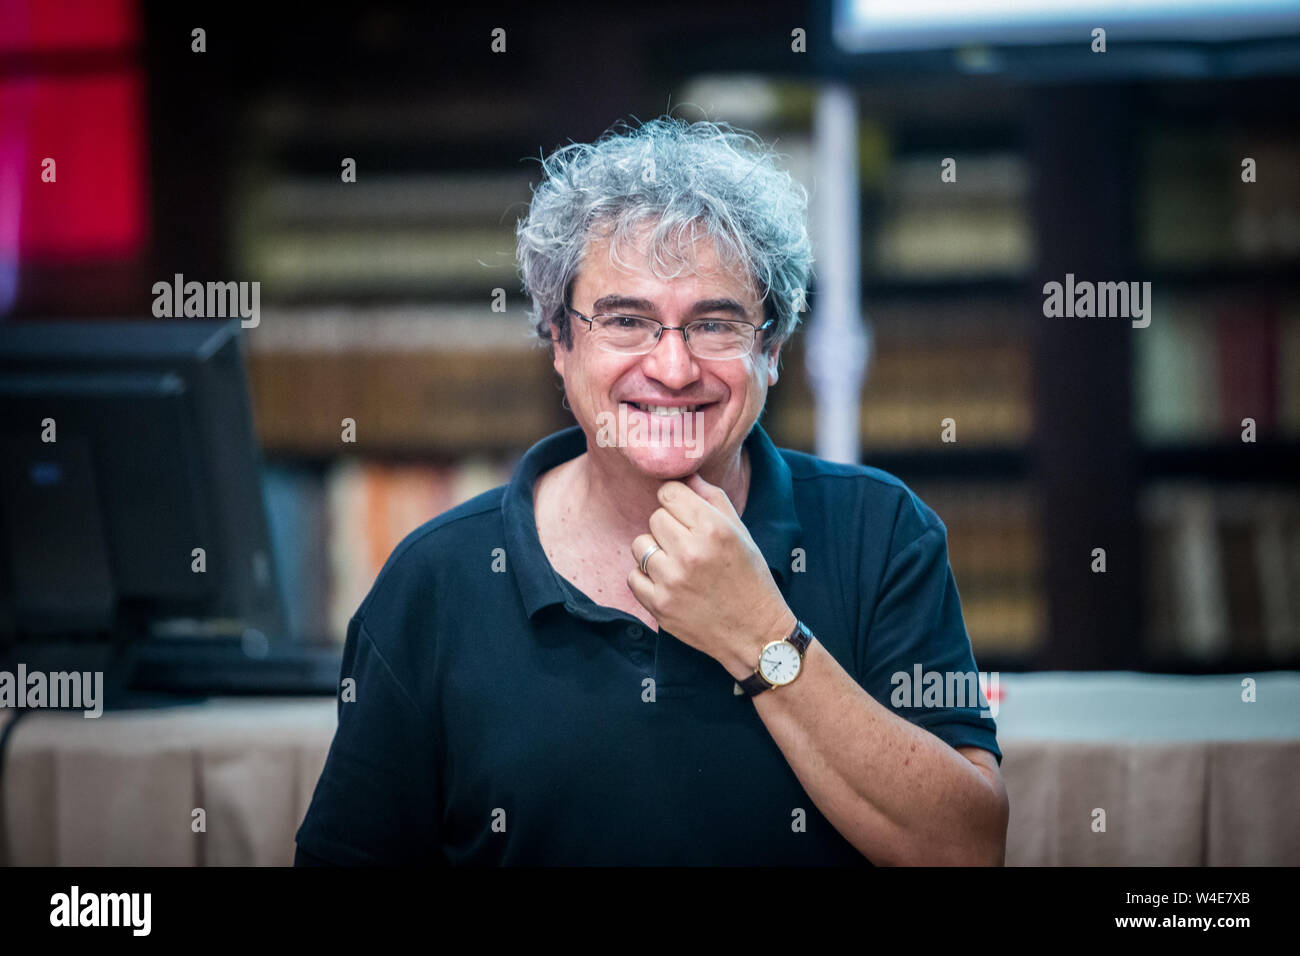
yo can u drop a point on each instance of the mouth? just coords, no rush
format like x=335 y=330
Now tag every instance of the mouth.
x=668 y=411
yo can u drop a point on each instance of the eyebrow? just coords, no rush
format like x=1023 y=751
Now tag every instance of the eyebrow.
x=619 y=303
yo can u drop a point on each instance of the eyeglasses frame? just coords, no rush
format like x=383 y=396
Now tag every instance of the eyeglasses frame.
x=590 y=320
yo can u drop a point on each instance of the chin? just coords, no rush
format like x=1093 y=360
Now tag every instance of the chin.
x=666 y=463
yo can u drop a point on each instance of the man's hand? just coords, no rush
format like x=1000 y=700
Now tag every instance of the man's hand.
x=709 y=585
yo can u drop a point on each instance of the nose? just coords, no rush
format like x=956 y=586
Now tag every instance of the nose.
x=670 y=361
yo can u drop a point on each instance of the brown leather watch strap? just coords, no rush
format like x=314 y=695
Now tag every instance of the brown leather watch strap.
x=756 y=683
x=800 y=637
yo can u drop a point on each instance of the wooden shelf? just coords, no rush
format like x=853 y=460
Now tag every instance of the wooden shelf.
x=404 y=403
x=891 y=287
x=1271 y=461
x=1272 y=274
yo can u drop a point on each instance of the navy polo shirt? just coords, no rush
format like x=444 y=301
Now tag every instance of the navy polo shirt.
x=500 y=716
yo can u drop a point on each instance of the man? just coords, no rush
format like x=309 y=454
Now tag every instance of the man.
x=665 y=641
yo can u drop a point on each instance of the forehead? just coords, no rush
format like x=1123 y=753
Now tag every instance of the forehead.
x=690 y=264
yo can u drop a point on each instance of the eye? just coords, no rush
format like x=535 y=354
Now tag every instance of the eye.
x=625 y=322
x=714 y=327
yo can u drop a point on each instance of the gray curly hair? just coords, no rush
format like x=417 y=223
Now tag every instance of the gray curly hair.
x=688 y=181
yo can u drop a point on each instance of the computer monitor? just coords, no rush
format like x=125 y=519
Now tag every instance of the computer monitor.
x=865 y=26
x=130 y=492
x=1094 y=41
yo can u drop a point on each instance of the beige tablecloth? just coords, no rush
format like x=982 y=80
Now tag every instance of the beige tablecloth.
x=121 y=790
x=1184 y=770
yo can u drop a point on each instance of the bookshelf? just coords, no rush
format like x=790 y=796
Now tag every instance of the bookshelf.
x=1056 y=454
x=1222 y=545
x=946 y=269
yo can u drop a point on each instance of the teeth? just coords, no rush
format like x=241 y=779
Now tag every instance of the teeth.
x=664 y=410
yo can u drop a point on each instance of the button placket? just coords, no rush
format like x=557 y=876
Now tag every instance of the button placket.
x=639 y=649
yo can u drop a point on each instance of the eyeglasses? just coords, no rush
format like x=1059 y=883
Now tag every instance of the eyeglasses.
x=705 y=338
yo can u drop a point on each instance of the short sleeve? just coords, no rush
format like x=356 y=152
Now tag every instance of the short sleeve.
x=376 y=802
x=917 y=658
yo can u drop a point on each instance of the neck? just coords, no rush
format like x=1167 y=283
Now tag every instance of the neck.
x=618 y=499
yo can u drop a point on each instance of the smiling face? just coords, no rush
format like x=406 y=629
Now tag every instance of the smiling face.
x=728 y=395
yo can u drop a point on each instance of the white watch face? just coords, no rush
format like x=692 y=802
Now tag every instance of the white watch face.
x=779 y=663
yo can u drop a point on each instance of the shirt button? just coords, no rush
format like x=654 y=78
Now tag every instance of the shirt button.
x=634 y=630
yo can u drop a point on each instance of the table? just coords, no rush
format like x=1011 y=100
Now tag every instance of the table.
x=120 y=790
x=1186 y=772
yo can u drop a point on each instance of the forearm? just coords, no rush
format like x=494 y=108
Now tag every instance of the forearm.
x=895 y=791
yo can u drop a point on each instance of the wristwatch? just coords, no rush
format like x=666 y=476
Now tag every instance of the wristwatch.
x=779 y=662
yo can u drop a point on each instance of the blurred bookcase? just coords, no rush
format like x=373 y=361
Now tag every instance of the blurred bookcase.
x=393 y=373
x=1088 y=435
x=945 y=272
x=1217 y=406
x=383 y=299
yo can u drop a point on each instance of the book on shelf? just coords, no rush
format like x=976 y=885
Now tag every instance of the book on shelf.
x=995 y=549
x=1177 y=387
x=1265 y=223
x=1195 y=209
x=387 y=234
x=1184 y=198
x=419 y=380
x=1246 y=343
x=1288 y=361
x=976 y=225
x=333 y=528
x=968 y=361
x=1204 y=365
x=1222 y=572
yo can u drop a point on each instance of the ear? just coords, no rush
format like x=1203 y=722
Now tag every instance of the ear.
x=558 y=351
x=773 y=361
